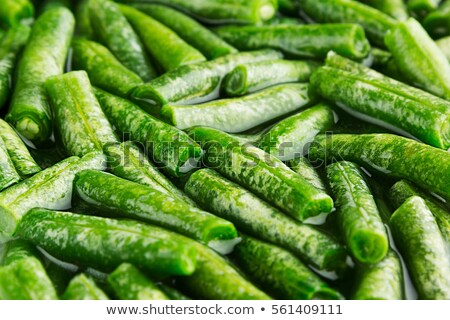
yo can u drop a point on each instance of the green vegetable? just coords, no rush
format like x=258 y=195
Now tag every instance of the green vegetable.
x=113 y=30
x=13 y=12
x=257 y=218
x=194 y=83
x=80 y=121
x=357 y=213
x=380 y=281
x=423 y=248
x=51 y=188
x=289 y=7
x=44 y=56
x=201 y=38
x=251 y=77
x=403 y=189
x=394 y=8
x=164 y=44
x=83 y=22
x=304 y=168
x=168 y=146
x=418 y=58
x=111 y=195
x=437 y=23
x=280 y=271
x=128 y=283
x=10 y=45
x=17 y=151
x=375 y=23
x=82 y=287
x=307 y=41
x=290 y=138
x=104 y=70
x=126 y=160
x=23 y=276
x=172 y=293
x=50 y=4
x=239 y=114
x=222 y=11
x=214 y=278
x=8 y=174
x=106 y=243
x=282 y=20
x=444 y=45
x=422 y=7
x=262 y=174
x=370 y=95
x=389 y=154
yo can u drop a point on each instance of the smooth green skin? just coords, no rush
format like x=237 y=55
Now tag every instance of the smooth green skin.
x=50 y=4
x=8 y=174
x=239 y=114
x=357 y=213
x=380 y=281
x=389 y=154
x=419 y=58
x=256 y=217
x=12 y=12
x=437 y=23
x=127 y=161
x=395 y=8
x=164 y=45
x=51 y=188
x=282 y=20
x=80 y=122
x=280 y=271
x=375 y=23
x=113 y=196
x=216 y=279
x=106 y=243
x=168 y=146
x=82 y=287
x=376 y=98
x=10 y=46
x=423 y=248
x=198 y=36
x=251 y=77
x=444 y=45
x=83 y=21
x=128 y=283
x=16 y=250
x=300 y=41
x=422 y=7
x=113 y=30
x=304 y=168
x=17 y=151
x=290 y=138
x=261 y=173
x=403 y=189
x=221 y=11
x=104 y=70
x=194 y=83
x=44 y=56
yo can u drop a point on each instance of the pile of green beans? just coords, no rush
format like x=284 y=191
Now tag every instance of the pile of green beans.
x=224 y=149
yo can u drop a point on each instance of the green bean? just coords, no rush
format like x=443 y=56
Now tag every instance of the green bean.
x=80 y=121
x=128 y=283
x=239 y=114
x=44 y=56
x=418 y=58
x=8 y=174
x=257 y=218
x=304 y=168
x=248 y=78
x=168 y=146
x=83 y=21
x=82 y=287
x=444 y=45
x=291 y=137
x=381 y=100
x=261 y=173
x=113 y=30
x=424 y=249
x=280 y=271
x=172 y=293
x=437 y=23
x=304 y=41
x=201 y=38
x=395 y=8
x=194 y=83
x=422 y=7
x=107 y=243
x=104 y=70
x=164 y=44
x=289 y=7
x=13 y=12
x=50 y=4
